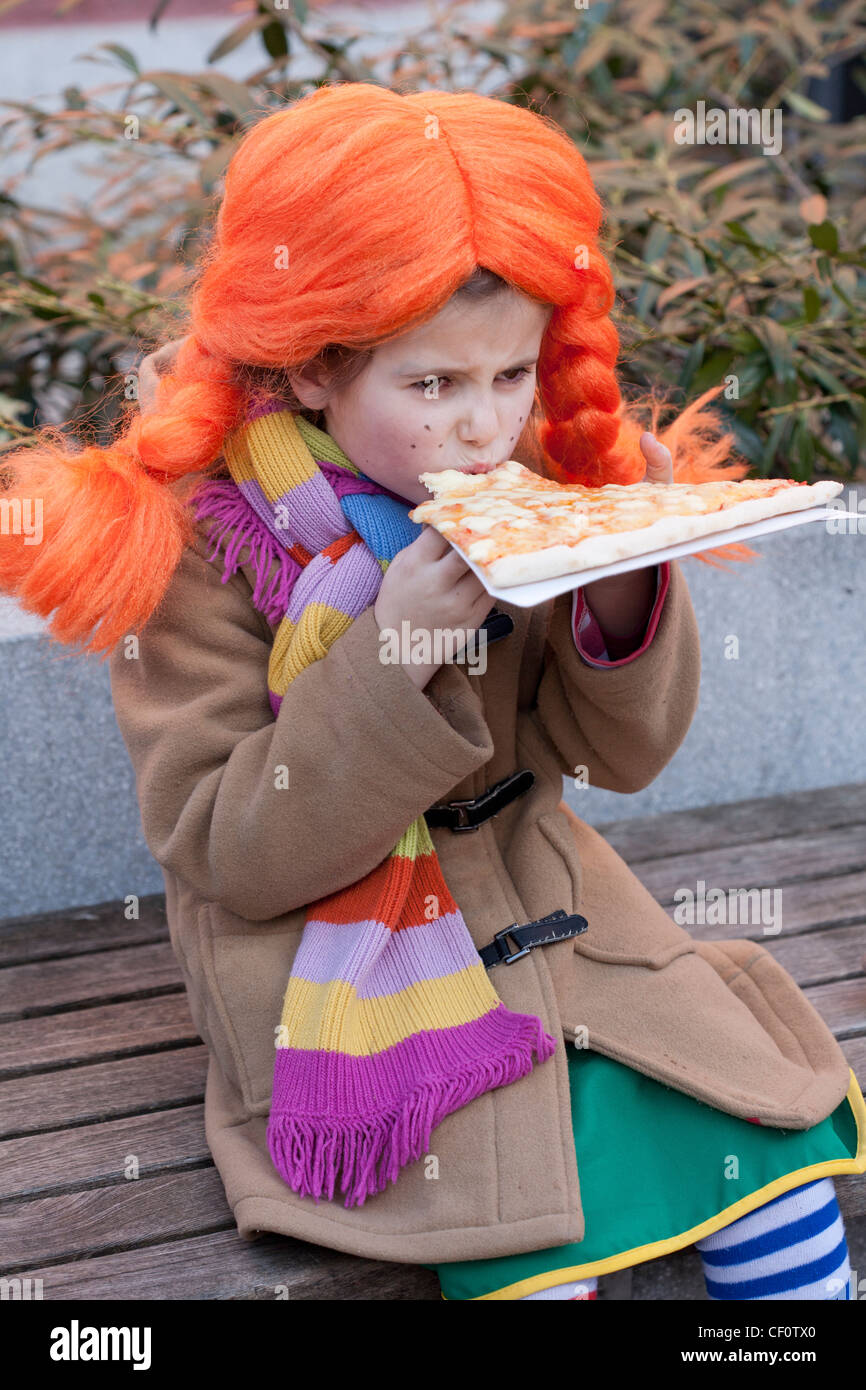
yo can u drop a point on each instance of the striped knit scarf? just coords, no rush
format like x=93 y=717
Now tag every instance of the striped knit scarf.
x=389 y=1020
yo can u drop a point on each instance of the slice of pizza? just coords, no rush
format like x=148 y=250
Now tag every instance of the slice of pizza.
x=518 y=527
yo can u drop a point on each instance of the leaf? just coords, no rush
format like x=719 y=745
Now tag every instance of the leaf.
x=275 y=39
x=237 y=36
x=778 y=348
x=824 y=237
x=654 y=73
x=740 y=234
x=175 y=88
x=645 y=299
x=811 y=303
x=751 y=375
x=159 y=11
x=712 y=370
x=748 y=442
x=694 y=358
x=40 y=285
x=730 y=173
x=657 y=242
x=235 y=95
x=128 y=59
x=679 y=287
x=843 y=428
x=806 y=108
x=779 y=428
x=817 y=372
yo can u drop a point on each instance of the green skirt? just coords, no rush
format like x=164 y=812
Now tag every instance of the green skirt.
x=659 y=1170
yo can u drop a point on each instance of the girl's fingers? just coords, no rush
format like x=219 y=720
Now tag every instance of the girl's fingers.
x=151 y=368
x=464 y=590
x=148 y=378
x=659 y=461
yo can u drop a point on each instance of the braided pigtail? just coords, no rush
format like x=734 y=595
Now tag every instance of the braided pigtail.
x=113 y=522
x=589 y=435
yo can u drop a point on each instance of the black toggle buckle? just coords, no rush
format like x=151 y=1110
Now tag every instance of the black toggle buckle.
x=497 y=625
x=469 y=815
x=558 y=926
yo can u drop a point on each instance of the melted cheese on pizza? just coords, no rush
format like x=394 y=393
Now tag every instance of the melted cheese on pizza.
x=512 y=510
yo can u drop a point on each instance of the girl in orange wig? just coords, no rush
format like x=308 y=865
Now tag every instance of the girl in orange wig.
x=347 y=219
x=357 y=225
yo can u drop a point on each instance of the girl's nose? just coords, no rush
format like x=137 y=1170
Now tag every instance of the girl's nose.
x=481 y=423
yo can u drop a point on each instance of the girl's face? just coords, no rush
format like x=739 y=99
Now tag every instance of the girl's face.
x=453 y=393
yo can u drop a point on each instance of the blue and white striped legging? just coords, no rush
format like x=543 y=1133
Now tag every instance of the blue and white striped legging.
x=792 y=1247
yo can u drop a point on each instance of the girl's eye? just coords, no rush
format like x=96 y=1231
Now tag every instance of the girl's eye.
x=512 y=375
x=521 y=372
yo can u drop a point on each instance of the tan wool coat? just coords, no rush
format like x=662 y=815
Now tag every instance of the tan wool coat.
x=242 y=855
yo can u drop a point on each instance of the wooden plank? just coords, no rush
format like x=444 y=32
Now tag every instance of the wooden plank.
x=79 y=929
x=88 y=1155
x=154 y=1081
x=818 y=957
x=29 y=990
x=855 y=1051
x=224 y=1266
x=99 y=1220
x=818 y=903
x=110 y=1030
x=761 y=863
x=842 y=1005
x=734 y=822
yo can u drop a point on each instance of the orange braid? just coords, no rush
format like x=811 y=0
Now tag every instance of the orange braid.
x=348 y=217
x=113 y=532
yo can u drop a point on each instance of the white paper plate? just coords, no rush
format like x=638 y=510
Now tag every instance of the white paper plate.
x=528 y=595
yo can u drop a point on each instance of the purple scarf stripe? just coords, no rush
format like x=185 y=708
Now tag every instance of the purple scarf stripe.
x=329 y=952
x=325 y=1110
x=349 y=587
x=236 y=512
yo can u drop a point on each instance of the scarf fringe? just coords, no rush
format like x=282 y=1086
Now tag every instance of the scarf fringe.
x=311 y=1153
x=225 y=503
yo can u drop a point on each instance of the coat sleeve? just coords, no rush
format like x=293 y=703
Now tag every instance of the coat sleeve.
x=623 y=722
x=267 y=815
x=599 y=649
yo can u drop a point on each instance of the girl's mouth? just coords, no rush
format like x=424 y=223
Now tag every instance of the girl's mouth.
x=478 y=468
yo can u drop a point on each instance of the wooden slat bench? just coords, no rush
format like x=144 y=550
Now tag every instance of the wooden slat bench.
x=99 y=1061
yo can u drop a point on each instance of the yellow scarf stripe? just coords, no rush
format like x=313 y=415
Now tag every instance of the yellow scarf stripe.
x=298 y=645
x=271 y=452
x=330 y=1017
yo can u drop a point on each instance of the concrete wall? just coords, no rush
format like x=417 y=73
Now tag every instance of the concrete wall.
x=788 y=713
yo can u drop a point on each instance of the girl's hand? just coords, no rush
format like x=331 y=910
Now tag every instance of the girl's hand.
x=431 y=586
x=659 y=464
x=150 y=368
x=622 y=603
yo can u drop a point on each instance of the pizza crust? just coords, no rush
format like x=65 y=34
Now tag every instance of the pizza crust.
x=596 y=551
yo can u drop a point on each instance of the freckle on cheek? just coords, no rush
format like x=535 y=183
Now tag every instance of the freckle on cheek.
x=411 y=446
x=426 y=427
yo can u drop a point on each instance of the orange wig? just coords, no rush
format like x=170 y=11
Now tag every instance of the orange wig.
x=348 y=217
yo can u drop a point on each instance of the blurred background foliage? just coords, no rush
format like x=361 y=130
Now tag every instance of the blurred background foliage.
x=729 y=263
